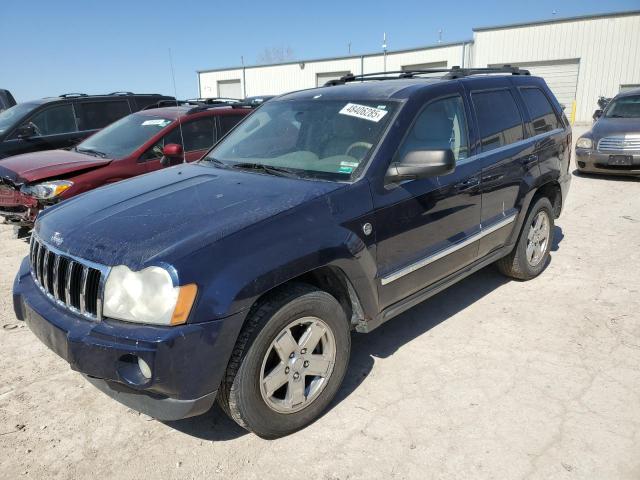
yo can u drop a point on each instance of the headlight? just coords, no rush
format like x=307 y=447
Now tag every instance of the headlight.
x=147 y=296
x=47 y=190
x=584 y=143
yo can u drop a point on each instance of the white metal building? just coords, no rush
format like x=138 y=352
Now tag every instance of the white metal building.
x=581 y=58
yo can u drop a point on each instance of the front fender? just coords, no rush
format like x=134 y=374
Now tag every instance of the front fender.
x=232 y=273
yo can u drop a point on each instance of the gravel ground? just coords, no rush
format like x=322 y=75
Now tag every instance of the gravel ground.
x=490 y=379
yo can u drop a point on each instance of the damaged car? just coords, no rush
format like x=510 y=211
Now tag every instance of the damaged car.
x=139 y=143
x=239 y=278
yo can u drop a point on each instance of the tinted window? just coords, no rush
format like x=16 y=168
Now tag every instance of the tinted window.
x=498 y=117
x=227 y=122
x=54 y=120
x=96 y=115
x=440 y=126
x=198 y=135
x=543 y=118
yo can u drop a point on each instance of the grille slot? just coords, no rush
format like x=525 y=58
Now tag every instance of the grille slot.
x=620 y=143
x=71 y=282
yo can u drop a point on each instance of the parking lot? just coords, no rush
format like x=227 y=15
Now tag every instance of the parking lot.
x=489 y=379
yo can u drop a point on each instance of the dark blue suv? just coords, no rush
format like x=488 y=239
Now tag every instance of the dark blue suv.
x=327 y=210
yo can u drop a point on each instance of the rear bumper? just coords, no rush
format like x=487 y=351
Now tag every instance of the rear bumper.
x=187 y=362
x=592 y=161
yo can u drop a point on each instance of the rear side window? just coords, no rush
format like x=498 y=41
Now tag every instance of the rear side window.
x=95 y=115
x=543 y=118
x=227 y=122
x=499 y=120
x=55 y=120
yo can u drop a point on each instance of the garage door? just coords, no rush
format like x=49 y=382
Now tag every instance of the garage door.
x=229 y=89
x=560 y=75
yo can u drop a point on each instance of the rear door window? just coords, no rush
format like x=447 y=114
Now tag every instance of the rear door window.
x=55 y=120
x=499 y=119
x=543 y=117
x=96 y=115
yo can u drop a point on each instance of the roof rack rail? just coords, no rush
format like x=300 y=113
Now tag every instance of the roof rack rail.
x=72 y=95
x=166 y=103
x=215 y=100
x=233 y=104
x=121 y=93
x=200 y=106
x=448 y=74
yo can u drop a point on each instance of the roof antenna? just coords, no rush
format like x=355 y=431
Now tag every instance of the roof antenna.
x=440 y=36
x=175 y=93
x=384 y=50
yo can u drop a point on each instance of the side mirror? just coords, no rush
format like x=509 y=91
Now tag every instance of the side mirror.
x=421 y=164
x=169 y=152
x=26 y=131
x=597 y=114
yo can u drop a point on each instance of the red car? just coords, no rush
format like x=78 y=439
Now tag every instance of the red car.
x=139 y=143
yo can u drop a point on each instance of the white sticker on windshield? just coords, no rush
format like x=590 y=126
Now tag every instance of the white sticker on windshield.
x=162 y=122
x=364 y=112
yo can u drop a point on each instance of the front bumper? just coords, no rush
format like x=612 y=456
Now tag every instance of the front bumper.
x=187 y=362
x=593 y=161
x=17 y=208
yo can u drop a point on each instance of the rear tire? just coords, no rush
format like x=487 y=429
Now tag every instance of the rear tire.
x=288 y=363
x=531 y=252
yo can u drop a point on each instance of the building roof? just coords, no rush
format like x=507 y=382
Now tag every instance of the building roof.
x=345 y=57
x=559 y=20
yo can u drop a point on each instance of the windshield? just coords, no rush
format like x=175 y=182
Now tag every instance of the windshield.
x=624 y=107
x=327 y=139
x=121 y=138
x=11 y=116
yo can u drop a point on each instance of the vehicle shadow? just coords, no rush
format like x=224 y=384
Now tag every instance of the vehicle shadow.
x=381 y=343
x=214 y=425
x=605 y=177
x=558 y=236
x=391 y=336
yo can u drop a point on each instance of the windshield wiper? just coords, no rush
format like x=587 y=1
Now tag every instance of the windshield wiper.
x=215 y=160
x=270 y=169
x=90 y=151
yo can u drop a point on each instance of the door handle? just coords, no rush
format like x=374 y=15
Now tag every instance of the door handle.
x=468 y=183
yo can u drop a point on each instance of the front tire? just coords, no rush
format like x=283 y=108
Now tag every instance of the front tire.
x=288 y=363
x=531 y=252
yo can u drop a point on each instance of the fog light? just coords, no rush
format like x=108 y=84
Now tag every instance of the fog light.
x=145 y=369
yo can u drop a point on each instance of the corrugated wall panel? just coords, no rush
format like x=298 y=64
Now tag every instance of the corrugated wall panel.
x=607 y=49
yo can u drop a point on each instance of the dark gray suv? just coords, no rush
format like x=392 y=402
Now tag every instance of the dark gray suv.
x=62 y=122
x=612 y=146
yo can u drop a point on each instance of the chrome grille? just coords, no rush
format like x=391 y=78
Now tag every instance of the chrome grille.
x=620 y=143
x=73 y=283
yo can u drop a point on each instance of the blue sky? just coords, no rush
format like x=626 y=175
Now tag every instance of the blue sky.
x=56 y=46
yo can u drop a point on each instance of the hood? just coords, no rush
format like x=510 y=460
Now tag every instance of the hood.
x=30 y=167
x=614 y=126
x=165 y=215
